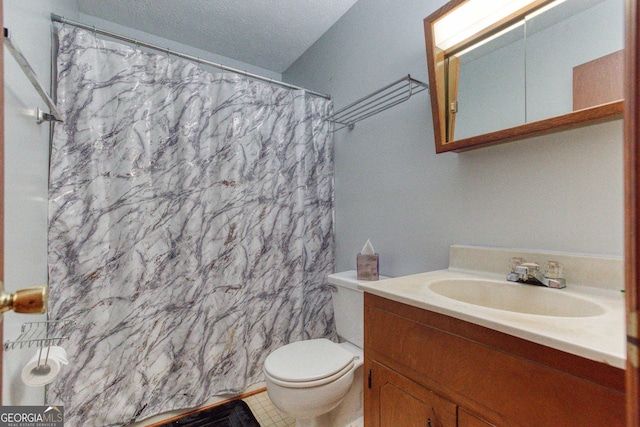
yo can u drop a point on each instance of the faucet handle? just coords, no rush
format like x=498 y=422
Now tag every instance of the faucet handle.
x=514 y=262
x=553 y=270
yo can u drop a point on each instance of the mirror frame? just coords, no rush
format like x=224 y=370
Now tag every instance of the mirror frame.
x=435 y=65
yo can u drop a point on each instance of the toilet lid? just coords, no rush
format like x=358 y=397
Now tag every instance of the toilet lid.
x=308 y=360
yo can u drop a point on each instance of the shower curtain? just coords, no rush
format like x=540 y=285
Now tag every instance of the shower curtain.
x=190 y=229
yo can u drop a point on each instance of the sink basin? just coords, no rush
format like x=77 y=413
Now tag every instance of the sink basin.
x=516 y=297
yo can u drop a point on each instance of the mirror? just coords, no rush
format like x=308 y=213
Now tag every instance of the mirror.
x=523 y=68
x=475 y=70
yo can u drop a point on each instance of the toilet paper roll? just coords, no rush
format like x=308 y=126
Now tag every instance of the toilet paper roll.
x=58 y=353
x=32 y=377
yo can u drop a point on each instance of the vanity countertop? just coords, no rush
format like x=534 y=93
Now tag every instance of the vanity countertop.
x=599 y=337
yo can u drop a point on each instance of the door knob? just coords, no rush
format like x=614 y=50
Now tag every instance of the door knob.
x=28 y=301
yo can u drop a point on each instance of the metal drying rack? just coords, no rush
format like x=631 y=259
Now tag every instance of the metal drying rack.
x=378 y=101
x=34 y=334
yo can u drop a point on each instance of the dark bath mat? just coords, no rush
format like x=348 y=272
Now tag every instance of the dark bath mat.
x=232 y=414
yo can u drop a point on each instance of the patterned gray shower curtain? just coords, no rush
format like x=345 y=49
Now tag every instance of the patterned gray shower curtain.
x=190 y=229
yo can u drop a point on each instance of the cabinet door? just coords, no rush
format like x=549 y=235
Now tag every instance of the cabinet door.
x=394 y=400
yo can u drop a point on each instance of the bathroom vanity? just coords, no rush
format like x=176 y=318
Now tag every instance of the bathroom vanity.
x=436 y=361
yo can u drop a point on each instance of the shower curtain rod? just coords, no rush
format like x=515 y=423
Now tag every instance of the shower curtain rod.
x=63 y=20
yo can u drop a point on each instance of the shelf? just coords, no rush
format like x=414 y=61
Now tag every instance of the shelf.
x=376 y=102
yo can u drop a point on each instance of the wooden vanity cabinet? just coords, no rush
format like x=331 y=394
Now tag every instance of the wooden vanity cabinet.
x=465 y=419
x=423 y=367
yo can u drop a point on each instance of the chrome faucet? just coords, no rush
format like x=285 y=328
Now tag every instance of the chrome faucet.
x=529 y=272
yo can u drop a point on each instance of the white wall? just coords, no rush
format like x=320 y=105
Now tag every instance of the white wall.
x=26 y=171
x=560 y=192
x=27 y=159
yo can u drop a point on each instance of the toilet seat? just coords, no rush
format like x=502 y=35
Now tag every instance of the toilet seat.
x=309 y=384
x=308 y=363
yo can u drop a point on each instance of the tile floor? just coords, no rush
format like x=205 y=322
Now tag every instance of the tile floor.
x=266 y=414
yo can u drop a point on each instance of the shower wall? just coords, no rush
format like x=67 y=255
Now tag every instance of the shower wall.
x=27 y=159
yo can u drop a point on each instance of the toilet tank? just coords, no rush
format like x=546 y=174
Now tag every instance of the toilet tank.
x=348 y=306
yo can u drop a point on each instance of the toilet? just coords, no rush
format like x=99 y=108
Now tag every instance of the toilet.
x=313 y=380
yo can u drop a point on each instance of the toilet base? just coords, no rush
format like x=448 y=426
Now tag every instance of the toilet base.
x=323 y=420
x=349 y=413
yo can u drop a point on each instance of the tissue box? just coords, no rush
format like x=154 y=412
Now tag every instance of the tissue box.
x=367 y=267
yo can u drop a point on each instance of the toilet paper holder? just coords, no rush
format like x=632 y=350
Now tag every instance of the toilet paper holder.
x=46 y=337
x=34 y=334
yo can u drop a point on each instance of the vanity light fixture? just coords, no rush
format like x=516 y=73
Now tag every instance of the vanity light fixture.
x=519 y=23
x=472 y=17
x=544 y=9
x=490 y=38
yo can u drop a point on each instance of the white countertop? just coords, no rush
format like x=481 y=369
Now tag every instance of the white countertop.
x=600 y=337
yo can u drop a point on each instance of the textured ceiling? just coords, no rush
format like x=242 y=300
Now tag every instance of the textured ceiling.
x=270 y=34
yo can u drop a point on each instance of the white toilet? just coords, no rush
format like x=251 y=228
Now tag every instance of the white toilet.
x=308 y=380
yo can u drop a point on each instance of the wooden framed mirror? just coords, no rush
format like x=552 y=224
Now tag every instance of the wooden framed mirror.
x=501 y=70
